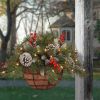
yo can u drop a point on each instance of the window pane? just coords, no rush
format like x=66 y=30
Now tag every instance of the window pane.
x=68 y=35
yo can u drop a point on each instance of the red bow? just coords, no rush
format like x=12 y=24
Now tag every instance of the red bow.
x=55 y=64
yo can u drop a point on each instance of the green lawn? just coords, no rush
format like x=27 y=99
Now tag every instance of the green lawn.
x=26 y=93
x=30 y=94
x=66 y=76
x=96 y=94
x=96 y=75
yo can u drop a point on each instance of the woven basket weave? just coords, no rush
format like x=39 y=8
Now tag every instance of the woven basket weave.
x=36 y=81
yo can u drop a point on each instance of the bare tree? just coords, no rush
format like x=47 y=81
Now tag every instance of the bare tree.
x=5 y=39
x=11 y=7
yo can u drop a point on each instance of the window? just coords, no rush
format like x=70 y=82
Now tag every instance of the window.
x=67 y=34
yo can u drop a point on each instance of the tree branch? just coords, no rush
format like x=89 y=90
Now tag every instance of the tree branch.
x=30 y=29
x=27 y=9
x=14 y=10
x=25 y=24
x=19 y=23
x=29 y=3
x=17 y=6
x=21 y=12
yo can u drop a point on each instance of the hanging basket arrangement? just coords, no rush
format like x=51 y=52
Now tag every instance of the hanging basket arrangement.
x=44 y=58
x=42 y=69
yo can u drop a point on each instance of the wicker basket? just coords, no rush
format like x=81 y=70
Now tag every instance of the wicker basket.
x=36 y=81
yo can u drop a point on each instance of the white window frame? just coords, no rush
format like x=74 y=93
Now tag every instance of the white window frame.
x=67 y=29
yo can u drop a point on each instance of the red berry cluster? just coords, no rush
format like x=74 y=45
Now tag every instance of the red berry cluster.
x=32 y=39
x=55 y=64
x=62 y=37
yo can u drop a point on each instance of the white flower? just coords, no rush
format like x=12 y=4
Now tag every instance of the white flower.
x=34 y=60
x=25 y=59
x=64 y=45
x=56 y=41
x=43 y=57
x=57 y=46
x=37 y=46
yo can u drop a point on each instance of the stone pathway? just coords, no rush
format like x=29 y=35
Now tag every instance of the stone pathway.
x=22 y=83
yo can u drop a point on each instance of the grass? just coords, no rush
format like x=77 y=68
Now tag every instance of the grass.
x=96 y=94
x=66 y=76
x=30 y=94
x=96 y=75
x=26 y=93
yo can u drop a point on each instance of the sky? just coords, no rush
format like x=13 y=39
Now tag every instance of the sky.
x=21 y=31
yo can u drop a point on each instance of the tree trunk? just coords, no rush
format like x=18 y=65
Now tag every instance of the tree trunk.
x=3 y=51
x=84 y=47
x=12 y=40
x=5 y=39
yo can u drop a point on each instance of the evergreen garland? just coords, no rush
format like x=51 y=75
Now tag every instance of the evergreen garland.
x=49 y=54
